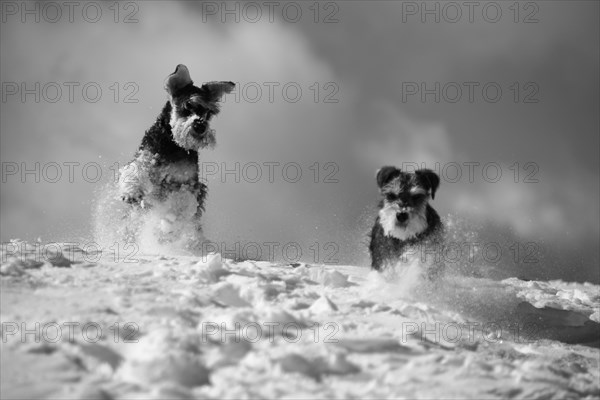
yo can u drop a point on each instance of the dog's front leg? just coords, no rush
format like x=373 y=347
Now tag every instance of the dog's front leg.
x=134 y=179
x=130 y=187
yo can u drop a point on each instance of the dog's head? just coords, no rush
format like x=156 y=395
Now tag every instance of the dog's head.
x=193 y=107
x=405 y=197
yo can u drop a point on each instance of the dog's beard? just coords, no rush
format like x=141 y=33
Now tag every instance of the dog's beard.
x=416 y=224
x=183 y=133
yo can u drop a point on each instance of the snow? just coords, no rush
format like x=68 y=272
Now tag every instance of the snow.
x=584 y=299
x=207 y=327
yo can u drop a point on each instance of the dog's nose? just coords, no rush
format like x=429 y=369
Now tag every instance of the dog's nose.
x=402 y=217
x=199 y=127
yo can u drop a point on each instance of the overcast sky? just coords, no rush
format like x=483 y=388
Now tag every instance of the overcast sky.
x=361 y=75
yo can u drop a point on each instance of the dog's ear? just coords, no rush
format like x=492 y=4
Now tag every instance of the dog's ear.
x=178 y=80
x=430 y=180
x=386 y=174
x=213 y=91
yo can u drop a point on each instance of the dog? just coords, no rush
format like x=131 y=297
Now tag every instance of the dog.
x=165 y=167
x=405 y=220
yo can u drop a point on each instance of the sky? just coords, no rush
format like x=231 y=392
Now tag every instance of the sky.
x=503 y=103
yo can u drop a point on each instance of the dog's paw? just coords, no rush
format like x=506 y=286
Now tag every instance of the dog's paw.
x=133 y=198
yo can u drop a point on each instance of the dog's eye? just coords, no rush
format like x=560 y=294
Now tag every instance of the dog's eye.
x=391 y=197
x=418 y=197
x=193 y=107
x=185 y=110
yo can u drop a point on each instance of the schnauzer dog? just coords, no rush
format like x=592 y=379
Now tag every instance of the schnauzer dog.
x=165 y=167
x=405 y=219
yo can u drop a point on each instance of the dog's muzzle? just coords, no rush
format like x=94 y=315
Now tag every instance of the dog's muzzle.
x=199 y=128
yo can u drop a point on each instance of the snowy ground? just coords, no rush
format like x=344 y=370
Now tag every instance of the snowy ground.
x=203 y=327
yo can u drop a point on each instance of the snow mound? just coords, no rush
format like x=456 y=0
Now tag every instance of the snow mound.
x=180 y=326
x=582 y=298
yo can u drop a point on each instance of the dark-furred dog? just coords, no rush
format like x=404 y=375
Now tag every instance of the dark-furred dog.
x=405 y=220
x=165 y=168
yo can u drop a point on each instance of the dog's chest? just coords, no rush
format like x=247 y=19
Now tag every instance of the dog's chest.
x=179 y=172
